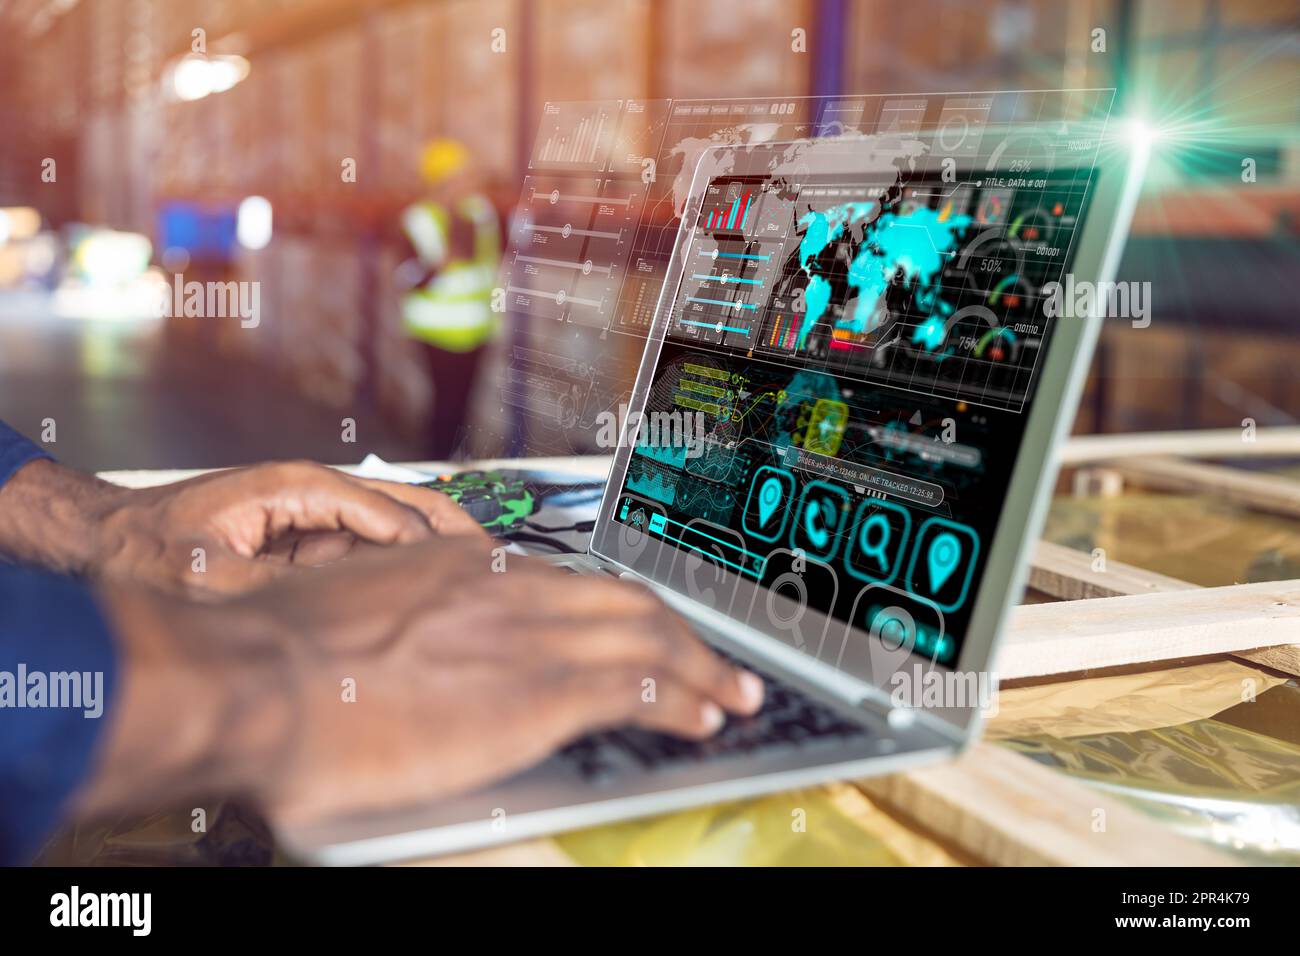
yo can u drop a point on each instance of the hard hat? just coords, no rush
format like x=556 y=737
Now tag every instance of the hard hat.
x=442 y=159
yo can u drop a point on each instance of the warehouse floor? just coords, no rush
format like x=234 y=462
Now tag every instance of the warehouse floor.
x=128 y=395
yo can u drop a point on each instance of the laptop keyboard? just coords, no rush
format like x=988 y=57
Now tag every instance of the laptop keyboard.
x=788 y=719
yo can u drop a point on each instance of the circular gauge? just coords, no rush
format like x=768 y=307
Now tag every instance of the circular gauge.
x=1000 y=345
x=1010 y=295
x=1032 y=227
x=991 y=263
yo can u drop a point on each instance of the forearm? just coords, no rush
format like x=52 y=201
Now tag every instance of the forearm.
x=49 y=516
x=58 y=670
x=206 y=705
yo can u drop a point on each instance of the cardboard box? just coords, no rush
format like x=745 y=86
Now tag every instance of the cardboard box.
x=592 y=50
x=478 y=90
x=734 y=48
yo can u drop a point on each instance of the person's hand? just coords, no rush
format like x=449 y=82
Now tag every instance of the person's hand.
x=250 y=524
x=217 y=534
x=469 y=674
x=402 y=676
x=229 y=531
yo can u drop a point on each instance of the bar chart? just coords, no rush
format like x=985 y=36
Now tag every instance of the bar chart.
x=730 y=210
x=576 y=136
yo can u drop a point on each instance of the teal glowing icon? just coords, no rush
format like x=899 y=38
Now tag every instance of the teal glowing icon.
x=769 y=498
x=767 y=509
x=948 y=550
x=880 y=534
x=943 y=557
x=815 y=519
x=819 y=516
x=873 y=540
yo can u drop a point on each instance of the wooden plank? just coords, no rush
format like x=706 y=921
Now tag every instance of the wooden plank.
x=1074 y=636
x=1284 y=658
x=1260 y=492
x=1069 y=574
x=1003 y=808
x=1208 y=443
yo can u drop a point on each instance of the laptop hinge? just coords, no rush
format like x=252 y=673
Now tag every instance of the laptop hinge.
x=873 y=705
x=877 y=703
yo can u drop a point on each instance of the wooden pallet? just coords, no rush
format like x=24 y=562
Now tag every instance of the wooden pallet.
x=1002 y=807
x=1125 y=615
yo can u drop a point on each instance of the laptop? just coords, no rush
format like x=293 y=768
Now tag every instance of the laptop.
x=839 y=455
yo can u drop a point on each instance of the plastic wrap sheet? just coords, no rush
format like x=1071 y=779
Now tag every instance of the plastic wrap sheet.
x=1196 y=538
x=835 y=825
x=1147 y=700
x=1212 y=750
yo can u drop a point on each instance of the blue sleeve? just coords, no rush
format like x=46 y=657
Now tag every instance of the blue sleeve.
x=57 y=672
x=16 y=451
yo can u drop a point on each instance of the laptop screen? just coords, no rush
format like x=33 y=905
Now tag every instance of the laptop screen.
x=847 y=362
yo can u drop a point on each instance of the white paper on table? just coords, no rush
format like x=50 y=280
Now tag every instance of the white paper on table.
x=372 y=466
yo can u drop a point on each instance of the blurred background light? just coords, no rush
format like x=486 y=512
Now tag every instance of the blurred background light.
x=194 y=77
x=109 y=258
x=253 y=225
x=19 y=223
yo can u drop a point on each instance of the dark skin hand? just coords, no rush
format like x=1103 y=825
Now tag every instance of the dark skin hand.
x=461 y=674
x=250 y=525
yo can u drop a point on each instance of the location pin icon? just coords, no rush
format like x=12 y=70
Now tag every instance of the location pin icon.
x=769 y=496
x=944 y=556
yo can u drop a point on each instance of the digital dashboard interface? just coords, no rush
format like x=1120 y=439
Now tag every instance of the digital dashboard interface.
x=847 y=362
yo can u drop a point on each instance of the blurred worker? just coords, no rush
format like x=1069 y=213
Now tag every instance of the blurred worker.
x=456 y=235
x=120 y=693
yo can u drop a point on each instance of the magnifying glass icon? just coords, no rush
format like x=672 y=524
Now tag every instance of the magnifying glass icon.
x=873 y=539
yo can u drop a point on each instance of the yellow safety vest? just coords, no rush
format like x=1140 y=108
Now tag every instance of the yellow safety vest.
x=453 y=310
